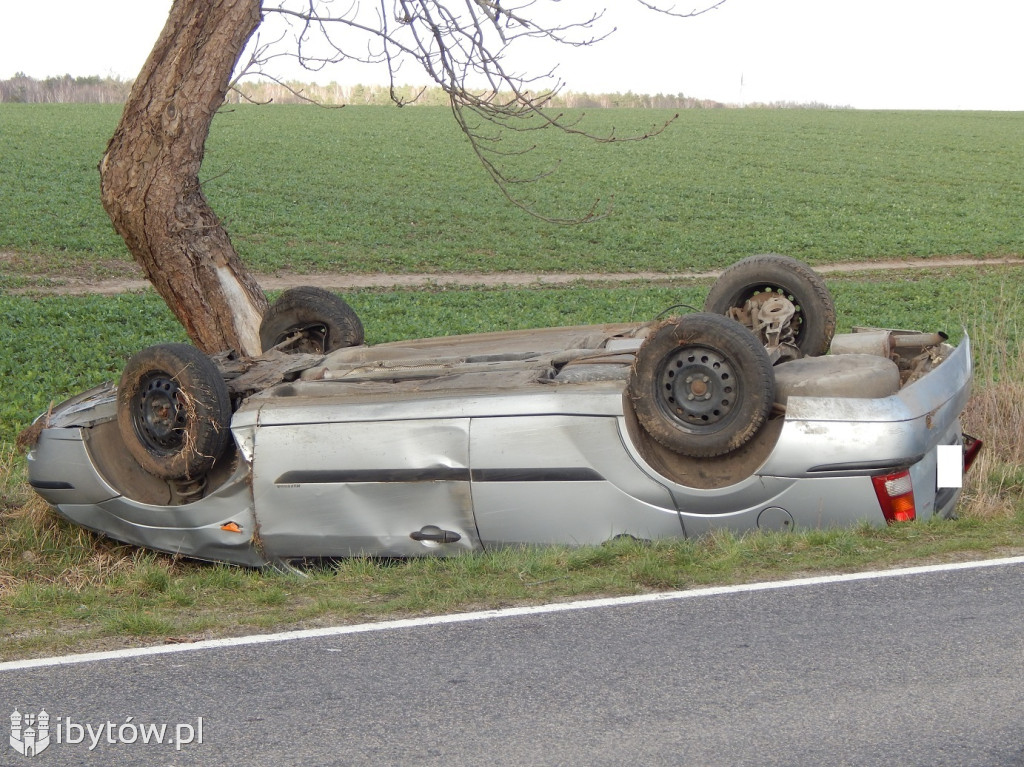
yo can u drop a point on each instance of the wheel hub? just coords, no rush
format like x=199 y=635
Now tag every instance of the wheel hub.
x=774 y=316
x=160 y=417
x=698 y=386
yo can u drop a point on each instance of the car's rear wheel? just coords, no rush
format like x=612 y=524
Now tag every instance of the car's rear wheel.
x=702 y=385
x=173 y=411
x=320 y=321
x=758 y=278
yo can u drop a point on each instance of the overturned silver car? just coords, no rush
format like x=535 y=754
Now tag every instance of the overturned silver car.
x=734 y=417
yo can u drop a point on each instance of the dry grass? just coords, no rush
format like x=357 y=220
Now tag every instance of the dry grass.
x=38 y=547
x=995 y=484
x=995 y=413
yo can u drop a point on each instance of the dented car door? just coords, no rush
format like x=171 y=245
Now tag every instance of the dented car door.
x=373 y=488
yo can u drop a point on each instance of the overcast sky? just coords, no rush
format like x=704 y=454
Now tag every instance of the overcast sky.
x=884 y=54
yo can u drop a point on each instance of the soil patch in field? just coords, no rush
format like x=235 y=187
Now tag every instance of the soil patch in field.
x=85 y=281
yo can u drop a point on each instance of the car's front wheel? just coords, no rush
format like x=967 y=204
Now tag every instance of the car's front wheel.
x=173 y=411
x=701 y=385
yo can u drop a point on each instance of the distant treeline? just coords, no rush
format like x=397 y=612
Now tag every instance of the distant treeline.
x=107 y=90
x=68 y=89
x=64 y=90
x=291 y=93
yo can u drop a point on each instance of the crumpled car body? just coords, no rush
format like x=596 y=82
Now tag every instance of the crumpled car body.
x=469 y=443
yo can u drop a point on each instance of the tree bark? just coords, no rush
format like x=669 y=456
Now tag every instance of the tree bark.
x=149 y=175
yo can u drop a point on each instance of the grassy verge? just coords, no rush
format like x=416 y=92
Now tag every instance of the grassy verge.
x=64 y=590
x=70 y=593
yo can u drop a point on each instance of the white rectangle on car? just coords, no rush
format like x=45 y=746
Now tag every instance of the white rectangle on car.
x=949 y=461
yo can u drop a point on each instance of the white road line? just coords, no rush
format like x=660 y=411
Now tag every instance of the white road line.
x=362 y=628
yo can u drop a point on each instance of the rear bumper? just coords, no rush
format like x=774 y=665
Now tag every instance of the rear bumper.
x=827 y=436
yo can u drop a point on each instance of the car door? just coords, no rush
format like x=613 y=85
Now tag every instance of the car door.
x=373 y=488
x=559 y=478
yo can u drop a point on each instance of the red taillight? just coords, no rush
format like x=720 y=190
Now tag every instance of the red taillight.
x=972 y=446
x=896 y=496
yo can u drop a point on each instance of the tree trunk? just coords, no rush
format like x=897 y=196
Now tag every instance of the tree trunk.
x=149 y=176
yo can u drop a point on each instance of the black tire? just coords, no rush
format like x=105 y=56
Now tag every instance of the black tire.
x=325 y=321
x=173 y=411
x=702 y=385
x=815 y=320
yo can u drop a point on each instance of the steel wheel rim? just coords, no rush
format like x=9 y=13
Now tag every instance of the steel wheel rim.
x=159 y=414
x=698 y=388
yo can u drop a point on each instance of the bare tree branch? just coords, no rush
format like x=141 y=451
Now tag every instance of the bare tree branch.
x=468 y=48
x=149 y=175
x=681 y=14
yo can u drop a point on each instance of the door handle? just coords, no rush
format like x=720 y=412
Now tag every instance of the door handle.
x=435 y=534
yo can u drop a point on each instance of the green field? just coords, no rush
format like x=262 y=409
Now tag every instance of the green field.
x=378 y=189
x=392 y=190
x=371 y=189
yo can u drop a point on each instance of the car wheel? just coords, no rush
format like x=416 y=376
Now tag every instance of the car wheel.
x=173 y=411
x=702 y=385
x=324 y=322
x=768 y=275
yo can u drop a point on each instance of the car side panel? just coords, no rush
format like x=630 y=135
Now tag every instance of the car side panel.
x=562 y=479
x=808 y=503
x=363 y=488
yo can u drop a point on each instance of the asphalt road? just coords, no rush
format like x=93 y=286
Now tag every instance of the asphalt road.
x=923 y=669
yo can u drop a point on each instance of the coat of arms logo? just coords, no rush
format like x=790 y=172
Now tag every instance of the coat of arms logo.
x=30 y=733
